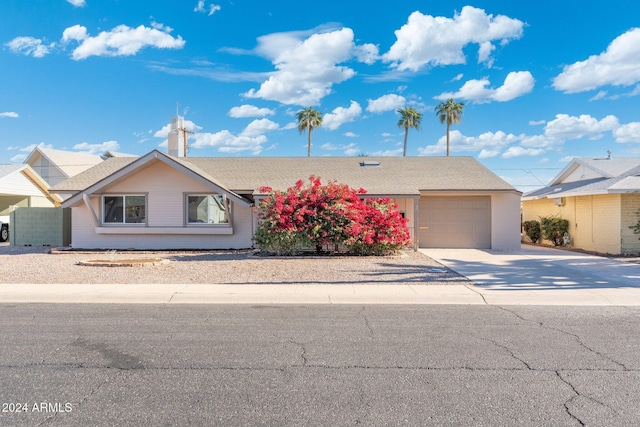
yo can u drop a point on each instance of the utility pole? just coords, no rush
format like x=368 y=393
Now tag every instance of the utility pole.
x=184 y=134
x=182 y=129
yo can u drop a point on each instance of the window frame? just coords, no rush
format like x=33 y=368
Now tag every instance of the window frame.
x=226 y=203
x=123 y=223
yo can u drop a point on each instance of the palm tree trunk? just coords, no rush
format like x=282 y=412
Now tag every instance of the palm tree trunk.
x=309 y=141
x=448 y=138
x=406 y=133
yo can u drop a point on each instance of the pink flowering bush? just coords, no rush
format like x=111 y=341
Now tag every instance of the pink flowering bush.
x=332 y=215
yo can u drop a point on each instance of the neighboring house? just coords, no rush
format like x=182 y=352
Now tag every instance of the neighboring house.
x=599 y=197
x=158 y=201
x=55 y=166
x=21 y=186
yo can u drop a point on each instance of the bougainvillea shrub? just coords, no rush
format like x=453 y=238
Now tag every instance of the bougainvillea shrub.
x=314 y=215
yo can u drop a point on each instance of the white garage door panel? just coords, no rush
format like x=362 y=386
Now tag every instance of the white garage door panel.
x=455 y=222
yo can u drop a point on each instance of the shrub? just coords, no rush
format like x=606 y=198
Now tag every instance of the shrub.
x=532 y=230
x=316 y=215
x=553 y=229
x=636 y=228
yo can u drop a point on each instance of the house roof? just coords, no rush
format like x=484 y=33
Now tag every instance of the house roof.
x=32 y=176
x=607 y=176
x=379 y=176
x=69 y=162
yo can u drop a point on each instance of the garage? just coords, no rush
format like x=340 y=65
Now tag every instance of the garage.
x=455 y=222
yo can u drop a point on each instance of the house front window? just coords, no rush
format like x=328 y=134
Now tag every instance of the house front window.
x=126 y=209
x=207 y=209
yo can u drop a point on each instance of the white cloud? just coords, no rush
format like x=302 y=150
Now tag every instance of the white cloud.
x=251 y=139
x=347 y=149
x=389 y=102
x=488 y=141
x=628 y=133
x=427 y=40
x=351 y=135
x=521 y=151
x=77 y=3
x=30 y=46
x=537 y=122
x=98 y=149
x=366 y=53
x=250 y=111
x=259 y=127
x=213 y=8
x=18 y=158
x=516 y=84
x=225 y=142
x=120 y=41
x=618 y=65
x=341 y=115
x=9 y=114
x=572 y=127
x=306 y=69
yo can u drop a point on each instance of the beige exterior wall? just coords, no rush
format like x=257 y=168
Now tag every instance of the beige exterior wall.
x=407 y=207
x=165 y=188
x=505 y=221
x=594 y=221
x=630 y=205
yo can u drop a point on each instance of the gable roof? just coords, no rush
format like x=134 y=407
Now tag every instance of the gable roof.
x=70 y=163
x=385 y=176
x=607 y=176
x=36 y=180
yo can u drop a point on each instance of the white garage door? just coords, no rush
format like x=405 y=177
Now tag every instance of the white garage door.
x=455 y=222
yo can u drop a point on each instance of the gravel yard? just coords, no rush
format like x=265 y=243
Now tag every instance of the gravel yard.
x=37 y=265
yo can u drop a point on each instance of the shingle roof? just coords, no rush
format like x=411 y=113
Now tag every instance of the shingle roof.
x=393 y=175
x=8 y=169
x=625 y=180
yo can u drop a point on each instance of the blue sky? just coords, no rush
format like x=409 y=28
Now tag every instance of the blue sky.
x=542 y=81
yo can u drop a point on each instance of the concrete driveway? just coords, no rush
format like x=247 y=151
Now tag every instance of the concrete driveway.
x=539 y=272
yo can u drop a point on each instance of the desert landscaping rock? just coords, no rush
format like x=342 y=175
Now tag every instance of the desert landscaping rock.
x=37 y=265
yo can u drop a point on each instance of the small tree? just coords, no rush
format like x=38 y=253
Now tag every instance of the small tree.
x=553 y=229
x=532 y=230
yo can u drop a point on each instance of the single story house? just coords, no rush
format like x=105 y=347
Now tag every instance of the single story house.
x=158 y=201
x=21 y=186
x=601 y=200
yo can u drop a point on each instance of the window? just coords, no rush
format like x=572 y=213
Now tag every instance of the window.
x=207 y=209
x=124 y=209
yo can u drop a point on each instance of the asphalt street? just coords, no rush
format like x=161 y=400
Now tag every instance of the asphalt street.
x=232 y=365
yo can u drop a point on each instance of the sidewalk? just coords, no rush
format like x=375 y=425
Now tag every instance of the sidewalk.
x=530 y=276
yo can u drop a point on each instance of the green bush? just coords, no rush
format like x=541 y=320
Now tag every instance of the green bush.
x=553 y=229
x=532 y=230
x=636 y=228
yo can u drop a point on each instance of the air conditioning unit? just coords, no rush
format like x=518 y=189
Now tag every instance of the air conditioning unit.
x=558 y=201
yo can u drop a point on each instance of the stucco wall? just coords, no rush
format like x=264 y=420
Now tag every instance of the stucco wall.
x=505 y=221
x=594 y=221
x=630 y=205
x=165 y=228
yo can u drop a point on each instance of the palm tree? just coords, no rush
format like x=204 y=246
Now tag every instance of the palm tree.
x=451 y=112
x=308 y=120
x=409 y=118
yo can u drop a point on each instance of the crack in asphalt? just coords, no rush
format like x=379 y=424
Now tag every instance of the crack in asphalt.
x=511 y=353
x=577 y=338
x=366 y=322
x=576 y=395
